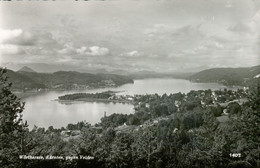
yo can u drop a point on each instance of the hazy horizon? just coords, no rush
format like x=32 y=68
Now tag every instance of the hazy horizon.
x=46 y=68
x=131 y=35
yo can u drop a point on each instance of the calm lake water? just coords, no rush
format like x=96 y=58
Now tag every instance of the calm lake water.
x=43 y=111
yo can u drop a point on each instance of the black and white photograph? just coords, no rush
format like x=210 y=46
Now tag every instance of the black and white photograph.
x=129 y=83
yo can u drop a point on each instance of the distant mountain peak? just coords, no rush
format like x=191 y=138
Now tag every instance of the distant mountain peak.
x=26 y=69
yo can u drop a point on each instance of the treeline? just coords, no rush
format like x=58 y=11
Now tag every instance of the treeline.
x=75 y=96
x=187 y=134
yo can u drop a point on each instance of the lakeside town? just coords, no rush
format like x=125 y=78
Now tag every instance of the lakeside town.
x=223 y=100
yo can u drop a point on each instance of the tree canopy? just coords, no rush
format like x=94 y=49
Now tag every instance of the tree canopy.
x=11 y=125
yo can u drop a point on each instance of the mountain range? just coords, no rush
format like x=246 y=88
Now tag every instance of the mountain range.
x=26 y=78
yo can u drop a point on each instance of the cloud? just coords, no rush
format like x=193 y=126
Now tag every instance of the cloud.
x=240 y=28
x=157 y=28
x=6 y=35
x=81 y=50
x=98 y=51
x=68 y=50
x=32 y=43
x=133 y=54
x=166 y=34
x=16 y=36
x=7 y=49
x=248 y=29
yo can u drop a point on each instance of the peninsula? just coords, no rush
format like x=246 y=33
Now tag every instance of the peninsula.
x=107 y=96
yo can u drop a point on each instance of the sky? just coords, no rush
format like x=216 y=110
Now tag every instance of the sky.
x=131 y=35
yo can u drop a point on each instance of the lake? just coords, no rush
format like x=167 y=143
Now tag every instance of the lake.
x=43 y=111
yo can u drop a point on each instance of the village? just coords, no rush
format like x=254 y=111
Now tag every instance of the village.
x=220 y=99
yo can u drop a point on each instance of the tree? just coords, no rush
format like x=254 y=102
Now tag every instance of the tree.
x=120 y=154
x=249 y=127
x=234 y=108
x=146 y=147
x=239 y=135
x=254 y=100
x=11 y=125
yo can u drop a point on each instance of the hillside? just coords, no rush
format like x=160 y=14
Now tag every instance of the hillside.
x=228 y=76
x=21 y=81
x=68 y=80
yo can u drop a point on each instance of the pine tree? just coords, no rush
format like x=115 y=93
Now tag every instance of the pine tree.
x=11 y=125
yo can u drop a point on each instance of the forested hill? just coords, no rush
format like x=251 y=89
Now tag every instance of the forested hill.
x=229 y=76
x=21 y=81
x=64 y=80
